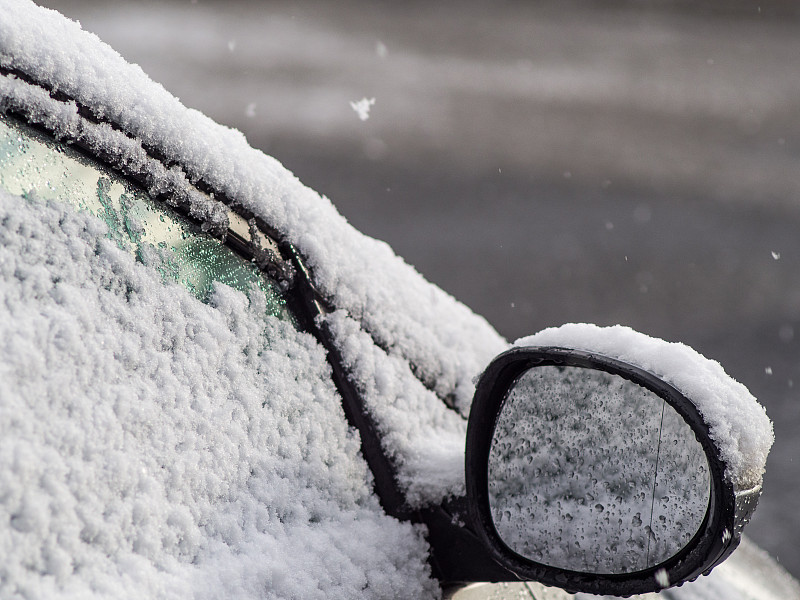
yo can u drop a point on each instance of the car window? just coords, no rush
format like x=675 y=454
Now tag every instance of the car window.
x=37 y=167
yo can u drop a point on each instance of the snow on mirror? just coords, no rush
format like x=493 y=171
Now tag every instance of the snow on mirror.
x=593 y=473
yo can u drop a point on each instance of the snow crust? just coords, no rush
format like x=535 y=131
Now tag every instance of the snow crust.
x=738 y=424
x=155 y=446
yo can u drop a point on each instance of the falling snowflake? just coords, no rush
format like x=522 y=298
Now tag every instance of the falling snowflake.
x=662 y=579
x=362 y=107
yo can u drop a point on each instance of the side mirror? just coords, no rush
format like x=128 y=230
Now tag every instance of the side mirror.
x=594 y=475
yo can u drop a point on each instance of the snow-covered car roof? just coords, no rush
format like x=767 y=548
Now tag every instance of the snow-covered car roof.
x=233 y=518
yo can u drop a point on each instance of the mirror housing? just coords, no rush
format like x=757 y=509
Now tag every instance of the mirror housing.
x=719 y=531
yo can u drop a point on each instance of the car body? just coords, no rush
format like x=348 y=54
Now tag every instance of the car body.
x=174 y=440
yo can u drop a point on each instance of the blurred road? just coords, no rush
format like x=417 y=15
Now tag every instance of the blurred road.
x=634 y=164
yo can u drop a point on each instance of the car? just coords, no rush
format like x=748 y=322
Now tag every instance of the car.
x=215 y=387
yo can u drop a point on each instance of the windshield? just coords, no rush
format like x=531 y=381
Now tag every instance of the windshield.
x=36 y=167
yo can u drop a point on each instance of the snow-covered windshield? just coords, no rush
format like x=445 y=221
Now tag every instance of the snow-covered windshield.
x=34 y=165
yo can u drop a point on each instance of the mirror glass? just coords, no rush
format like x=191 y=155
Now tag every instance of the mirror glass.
x=593 y=473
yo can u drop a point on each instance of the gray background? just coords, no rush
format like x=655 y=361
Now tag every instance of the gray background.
x=616 y=162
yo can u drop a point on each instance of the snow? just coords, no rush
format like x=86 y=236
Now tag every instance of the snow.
x=738 y=424
x=662 y=578
x=362 y=107
x=146 y=451
x=404 y=313
x=155 y=446
x=406 y=316
x=423 y=436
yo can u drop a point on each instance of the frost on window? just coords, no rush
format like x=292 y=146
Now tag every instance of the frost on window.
x=34 y=166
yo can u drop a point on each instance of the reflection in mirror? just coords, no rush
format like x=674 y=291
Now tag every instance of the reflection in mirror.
x=591 y=472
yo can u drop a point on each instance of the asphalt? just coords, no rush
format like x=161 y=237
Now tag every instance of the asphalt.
x=544 y=164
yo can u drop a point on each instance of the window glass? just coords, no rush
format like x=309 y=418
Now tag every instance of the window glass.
x=34 y=165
